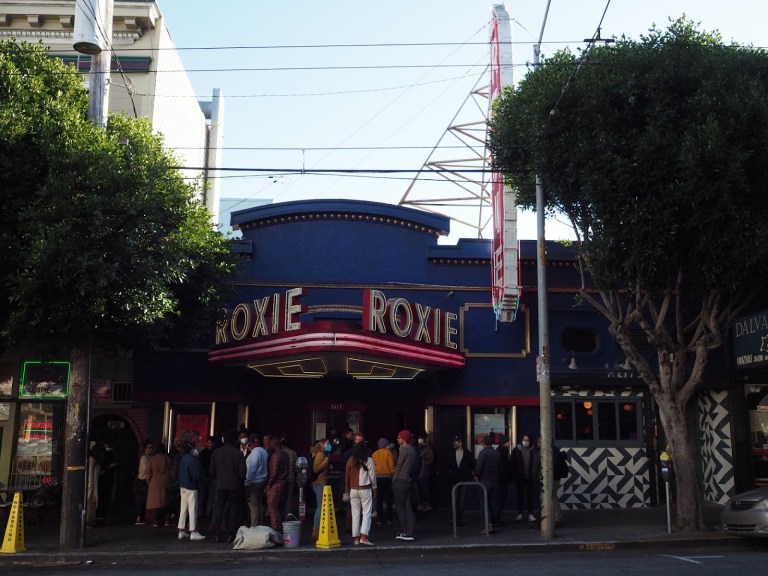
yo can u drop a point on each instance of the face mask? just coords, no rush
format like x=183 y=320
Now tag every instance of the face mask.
x=421 y=441
x=526 y=444
x=194 y=453
x=328 y=447
x=243 y=440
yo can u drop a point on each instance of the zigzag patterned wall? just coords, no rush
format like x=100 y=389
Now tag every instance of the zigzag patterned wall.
x=716 y=445
x=606 y=477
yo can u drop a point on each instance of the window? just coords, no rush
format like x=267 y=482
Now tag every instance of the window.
x=578 y=340
x=606 y=421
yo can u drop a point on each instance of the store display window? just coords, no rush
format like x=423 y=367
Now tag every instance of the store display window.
x=38 y=445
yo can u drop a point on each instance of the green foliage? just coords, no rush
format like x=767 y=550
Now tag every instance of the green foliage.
x=656 y=150
x=104 y=238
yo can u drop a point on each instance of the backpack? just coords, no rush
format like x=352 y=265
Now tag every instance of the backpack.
x=561 y=465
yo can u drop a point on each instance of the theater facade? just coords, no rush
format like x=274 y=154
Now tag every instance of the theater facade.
x=351 y=314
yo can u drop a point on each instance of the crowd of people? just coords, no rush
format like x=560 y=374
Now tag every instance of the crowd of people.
x=251 y=480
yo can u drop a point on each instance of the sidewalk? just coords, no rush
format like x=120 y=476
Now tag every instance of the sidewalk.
x=582 y=530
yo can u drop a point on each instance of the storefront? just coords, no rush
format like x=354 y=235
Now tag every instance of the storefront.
x=750 y=349
x=32 y=414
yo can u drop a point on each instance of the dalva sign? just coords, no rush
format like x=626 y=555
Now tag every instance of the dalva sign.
x=279 y=313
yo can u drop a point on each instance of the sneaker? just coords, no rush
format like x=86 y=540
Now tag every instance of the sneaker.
x=406 y=538
x=531 y=518
x=140 y=523
x=183 y=534
x=519 y=518
x=365 y=542
x=196 y=536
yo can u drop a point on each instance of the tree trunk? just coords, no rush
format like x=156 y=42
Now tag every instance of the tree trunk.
x=75 y=457
x=688 y=498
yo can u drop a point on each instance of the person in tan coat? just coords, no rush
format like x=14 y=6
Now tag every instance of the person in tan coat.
x=156 y=470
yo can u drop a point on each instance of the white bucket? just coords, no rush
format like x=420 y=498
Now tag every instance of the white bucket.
x=292 y=532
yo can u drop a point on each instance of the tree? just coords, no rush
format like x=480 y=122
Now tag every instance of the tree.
x=103 y=239
x=655 y=150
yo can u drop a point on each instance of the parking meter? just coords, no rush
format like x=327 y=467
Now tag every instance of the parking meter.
x=665 y=459
x=666 y=465
x=301 y=471
x=301 y=480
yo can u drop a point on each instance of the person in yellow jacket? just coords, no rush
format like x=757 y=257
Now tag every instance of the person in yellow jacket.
x=320 y=452
x=385 y=467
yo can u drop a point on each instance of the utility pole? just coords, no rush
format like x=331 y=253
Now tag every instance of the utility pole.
x=545 y=388
x=93 y=34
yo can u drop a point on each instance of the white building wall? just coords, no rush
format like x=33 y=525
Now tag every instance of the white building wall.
x=164 y=95
x=175 y=112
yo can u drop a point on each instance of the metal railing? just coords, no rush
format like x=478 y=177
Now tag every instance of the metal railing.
x=485 y=505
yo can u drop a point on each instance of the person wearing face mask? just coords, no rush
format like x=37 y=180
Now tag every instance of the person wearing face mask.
x=459 y=467
x=521 y=466
x=245 y=448
x=322 y=450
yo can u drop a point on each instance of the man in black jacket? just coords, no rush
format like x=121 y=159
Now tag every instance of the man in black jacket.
x=487 y=472
x=227 y=469
x=522 y=460
x=459 y=467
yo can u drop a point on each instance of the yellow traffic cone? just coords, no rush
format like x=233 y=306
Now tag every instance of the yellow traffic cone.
x=14 y=531
x=328 y=537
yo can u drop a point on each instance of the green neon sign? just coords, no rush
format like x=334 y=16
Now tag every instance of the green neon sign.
x=44 y=379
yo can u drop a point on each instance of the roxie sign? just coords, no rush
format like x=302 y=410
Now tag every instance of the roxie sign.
x=750 y=340
x=279 y=314
x=406 y=320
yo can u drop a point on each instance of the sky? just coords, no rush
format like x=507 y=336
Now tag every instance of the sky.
x=359 y=85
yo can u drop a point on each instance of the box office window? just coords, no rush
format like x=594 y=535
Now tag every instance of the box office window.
x=597 y=421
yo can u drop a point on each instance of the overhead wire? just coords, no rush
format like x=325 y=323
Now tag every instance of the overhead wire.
x=113 y=56
x=410 y=119
x=595 y=38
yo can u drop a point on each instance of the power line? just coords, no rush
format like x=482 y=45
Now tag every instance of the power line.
x=338 y=170
x=591 y=44
x=322 y=148
x=313 y=94
x=322 y=46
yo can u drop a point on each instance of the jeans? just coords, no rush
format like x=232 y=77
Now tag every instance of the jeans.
x=231 y=500
x=256 y=502
x=424 y=479
x=401 y=489
x=384 y=496
x=318 y=490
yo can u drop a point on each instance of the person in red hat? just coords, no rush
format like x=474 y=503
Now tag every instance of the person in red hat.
x=401 y=486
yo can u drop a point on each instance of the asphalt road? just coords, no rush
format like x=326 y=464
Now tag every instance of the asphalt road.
x=720 y=561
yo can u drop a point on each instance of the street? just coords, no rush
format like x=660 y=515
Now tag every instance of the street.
x=720 y=561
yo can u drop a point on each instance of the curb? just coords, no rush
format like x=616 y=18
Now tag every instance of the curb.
x=135 y=557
